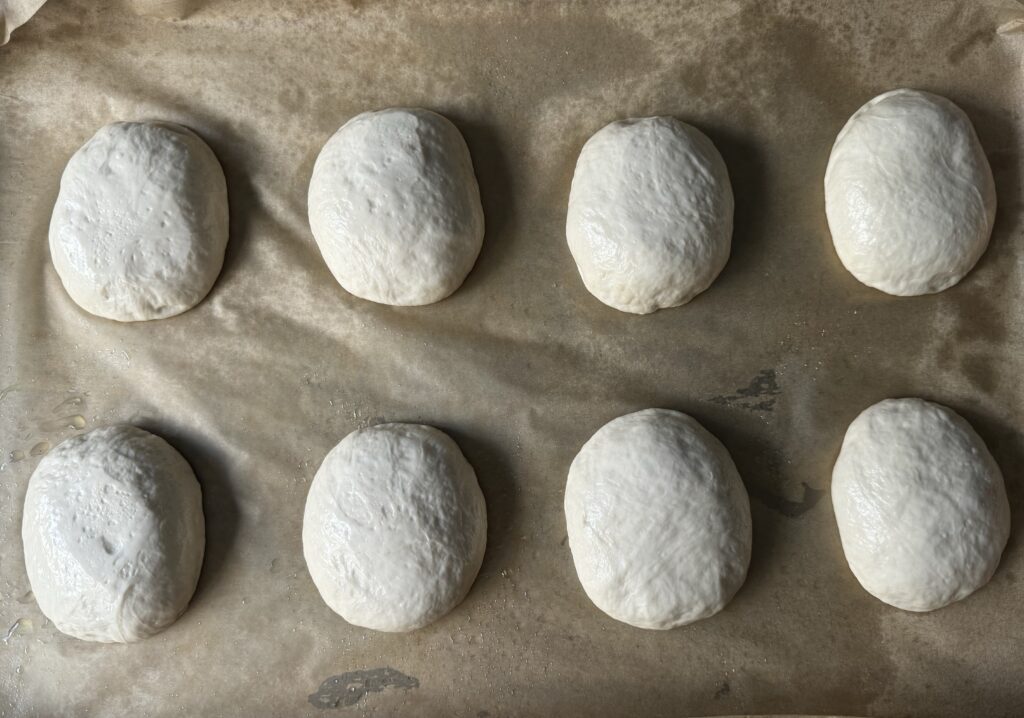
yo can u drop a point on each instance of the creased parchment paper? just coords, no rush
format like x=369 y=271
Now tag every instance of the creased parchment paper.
x=521 y=365
x=15 y=13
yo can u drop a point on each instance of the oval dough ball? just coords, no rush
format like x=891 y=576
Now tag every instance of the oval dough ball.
x=920 y=503
x=113 y=534
x=141 y=222
x=395 y=208
x=395 y=527
x=909 y=194
x=650 y=214
x=658 y=520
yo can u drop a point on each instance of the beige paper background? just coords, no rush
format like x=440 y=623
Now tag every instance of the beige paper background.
x=521 y=365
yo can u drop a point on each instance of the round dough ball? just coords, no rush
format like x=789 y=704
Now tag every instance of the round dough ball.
x=395 y=208
x=909 y=194
x=650 y=214
x=141 y=222
x=658 y=520
x=395 y=527
x=920 y=504
x=113 y=534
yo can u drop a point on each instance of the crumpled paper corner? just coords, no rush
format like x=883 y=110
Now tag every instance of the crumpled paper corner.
x=14 y=14
x=1011 y=18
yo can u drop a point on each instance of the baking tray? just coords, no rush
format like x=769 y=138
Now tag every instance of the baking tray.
x=521 y=365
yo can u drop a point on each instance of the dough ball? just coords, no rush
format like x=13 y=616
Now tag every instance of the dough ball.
x=909 y=194
x=395 y=208
x=395 y=527
x=650 y=214
x=920 y=504
x=141 y=222
x=658 y=520
x=113 y=534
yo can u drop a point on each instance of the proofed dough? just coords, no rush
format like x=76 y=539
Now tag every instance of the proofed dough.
x=650 y=214
x=909 y=194
x=658 y=520
x=113 y=534
x=920 y=503
x=395 y=527
x=141 y=222
x=395 y=208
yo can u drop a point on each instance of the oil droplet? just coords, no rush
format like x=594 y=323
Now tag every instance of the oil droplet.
x=76 y=421
x=17 y=455
x=39 y=449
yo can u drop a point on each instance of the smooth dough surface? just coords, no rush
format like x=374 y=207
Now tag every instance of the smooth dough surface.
x=395 y=527
x=114 y=535
x=920 y=503
x=909 y=194
x=650 y=214
x=658 y=520
x=395 y=208
x=141 y=222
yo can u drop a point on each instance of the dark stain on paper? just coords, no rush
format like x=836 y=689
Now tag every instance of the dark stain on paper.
x=787 y=507
x=758 y=395
x=349 y=688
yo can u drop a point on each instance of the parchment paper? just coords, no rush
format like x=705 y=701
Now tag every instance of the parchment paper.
x=521 y=365
x=14 y=13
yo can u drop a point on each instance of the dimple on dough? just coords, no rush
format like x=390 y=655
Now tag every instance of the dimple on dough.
x=114 y=535
x=395 y=527
x=658 y=520
x=650 y=214
x=140 y=224
x=920 y=502
x=395 y=208
x=909 y=194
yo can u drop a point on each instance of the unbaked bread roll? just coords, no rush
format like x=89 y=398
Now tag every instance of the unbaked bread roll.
x=658 y=520
x=650 y=214
x=113 y=534
x=395 y=208
x=920 y=503
x=909 y=194
x=141 y=222
x=395 y=527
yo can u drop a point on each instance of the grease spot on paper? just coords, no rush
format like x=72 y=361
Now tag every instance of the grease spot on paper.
x=787 y=507
x=349 y=688
x=758 y=395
